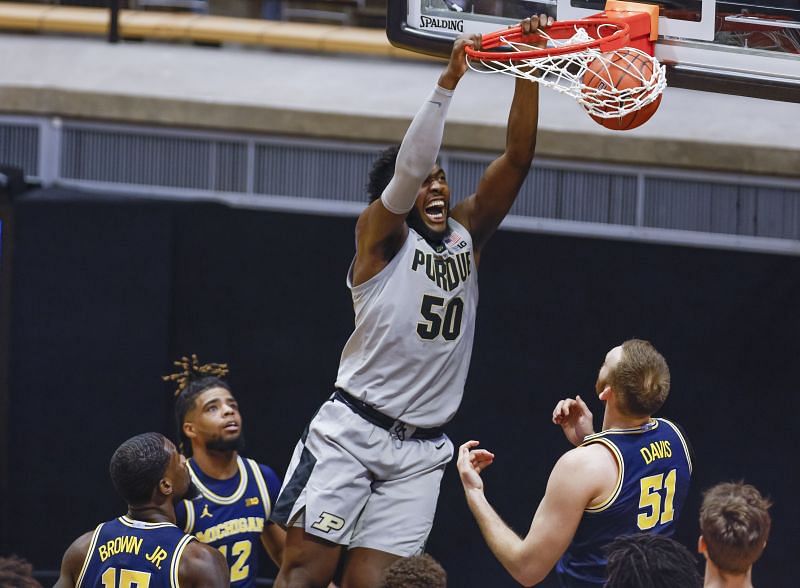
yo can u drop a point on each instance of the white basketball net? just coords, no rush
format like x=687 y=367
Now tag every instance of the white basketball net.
x=565 y=73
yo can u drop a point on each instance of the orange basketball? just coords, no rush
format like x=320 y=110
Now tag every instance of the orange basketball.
x=624 y=71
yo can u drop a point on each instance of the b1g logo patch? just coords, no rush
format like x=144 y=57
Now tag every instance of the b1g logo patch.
x=328 y=522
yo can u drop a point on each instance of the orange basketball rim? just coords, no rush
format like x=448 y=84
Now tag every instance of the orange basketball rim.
x=605 y=62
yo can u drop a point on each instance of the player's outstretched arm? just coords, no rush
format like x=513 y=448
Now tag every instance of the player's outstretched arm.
x=581 y=477
x=483 y=212
x=203 y=567
x=72 y=562
x=381 y=228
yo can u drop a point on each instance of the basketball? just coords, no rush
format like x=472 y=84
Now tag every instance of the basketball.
x=620 y=74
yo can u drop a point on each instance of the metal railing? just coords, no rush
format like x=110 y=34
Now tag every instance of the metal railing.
x=675 y=206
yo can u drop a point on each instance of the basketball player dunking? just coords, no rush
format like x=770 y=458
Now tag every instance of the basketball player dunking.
x=365 y=475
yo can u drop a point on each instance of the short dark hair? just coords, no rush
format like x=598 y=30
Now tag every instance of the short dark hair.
x=641 y=378
x=138 y=465
x=651 y=560
x=382 y=171
x=735 y=523
x=419 y=571
x=15 y=572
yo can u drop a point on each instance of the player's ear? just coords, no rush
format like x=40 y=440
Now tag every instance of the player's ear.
x=188 y=430
x=165 y=487
x=701 y=545
x=606 y=393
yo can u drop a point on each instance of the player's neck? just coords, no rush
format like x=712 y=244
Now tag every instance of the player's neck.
x=153 y=513
x=614 y=419
x=217 y=464
x=714 y=578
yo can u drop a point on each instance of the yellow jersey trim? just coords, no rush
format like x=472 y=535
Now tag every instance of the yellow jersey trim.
x=189 y=527
x=650 y=425
x=262 y=488
x=620 y=475
x=134 y=524
x=88 y=557
x=237 y=494
x=174 y=567
x=683 y=442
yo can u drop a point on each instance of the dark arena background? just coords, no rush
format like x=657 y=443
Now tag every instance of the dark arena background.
x=106 y=294
x=176 y=183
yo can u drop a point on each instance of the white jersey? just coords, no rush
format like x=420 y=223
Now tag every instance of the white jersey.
x=414 y=326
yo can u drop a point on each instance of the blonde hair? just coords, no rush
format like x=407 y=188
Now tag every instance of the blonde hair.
x=641 y=378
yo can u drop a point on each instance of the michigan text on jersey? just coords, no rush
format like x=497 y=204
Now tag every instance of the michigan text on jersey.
x=232 y=527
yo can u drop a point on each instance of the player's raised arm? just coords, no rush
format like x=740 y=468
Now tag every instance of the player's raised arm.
x=483 y=212
x=381 y=228
x=72 y=561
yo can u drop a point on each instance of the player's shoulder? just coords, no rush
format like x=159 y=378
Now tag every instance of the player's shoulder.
x=670 y=424
x=590 y=459
x=264 y=469
x=81 y=544
x=581 y=475
x=202 y=565
x=76 y=553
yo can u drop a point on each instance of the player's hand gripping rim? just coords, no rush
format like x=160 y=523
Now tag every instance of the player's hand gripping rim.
x=457 y=66
x=536 y=23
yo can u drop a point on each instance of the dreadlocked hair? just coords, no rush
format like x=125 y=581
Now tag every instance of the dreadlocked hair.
x=15 y=572
x=650 y=560
x=192 y=380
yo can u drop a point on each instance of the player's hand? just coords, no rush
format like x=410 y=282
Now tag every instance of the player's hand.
x=471 y=462
x=457 y=66
x=575 y=419
x=534 y=24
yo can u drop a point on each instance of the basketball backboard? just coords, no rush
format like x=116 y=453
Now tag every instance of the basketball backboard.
x=743 y=47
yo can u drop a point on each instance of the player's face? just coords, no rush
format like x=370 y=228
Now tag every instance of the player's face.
x=613 y=357
x=215 y=418
x=177 y=473
x=429 y=215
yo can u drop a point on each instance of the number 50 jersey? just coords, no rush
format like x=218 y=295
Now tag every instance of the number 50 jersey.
x=409 y=353
x=655 y=467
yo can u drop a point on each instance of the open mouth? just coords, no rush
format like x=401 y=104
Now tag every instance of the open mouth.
x=436 y=210
x=231 y=427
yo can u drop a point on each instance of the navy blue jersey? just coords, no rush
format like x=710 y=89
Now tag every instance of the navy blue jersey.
x=655 y=467
x=125 y=552
x=231 y=515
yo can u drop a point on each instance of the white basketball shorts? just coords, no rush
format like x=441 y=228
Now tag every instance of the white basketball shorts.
x=352 y=483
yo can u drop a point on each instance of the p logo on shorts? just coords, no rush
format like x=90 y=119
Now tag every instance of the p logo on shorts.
x=328 y=522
